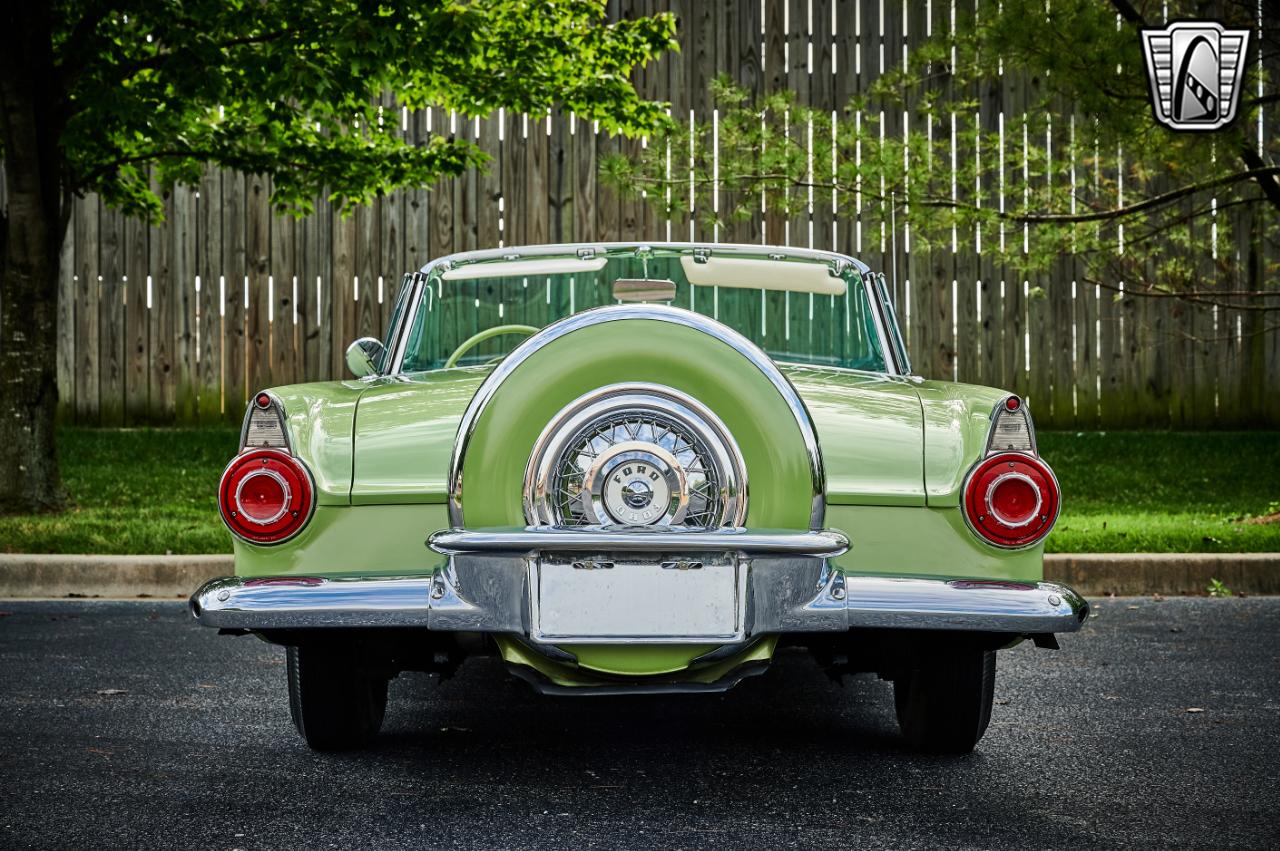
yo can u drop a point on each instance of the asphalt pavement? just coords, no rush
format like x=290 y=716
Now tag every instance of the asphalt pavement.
x=126 y=725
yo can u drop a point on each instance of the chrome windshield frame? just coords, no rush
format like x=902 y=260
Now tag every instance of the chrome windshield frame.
x=439 y=266
x=399 y=336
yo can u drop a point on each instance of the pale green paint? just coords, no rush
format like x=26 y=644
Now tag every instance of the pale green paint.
x=627 y=351
x=637 y=350
x=869 y=429
x=957 y=418
x=640 y=658
x=355 y=539
x=877 y=446
x=931 y=542
x=405 y=431
x=319 y=419
x=390 y=539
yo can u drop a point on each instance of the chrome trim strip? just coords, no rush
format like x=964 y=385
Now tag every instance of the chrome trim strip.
x=876 y=301
x=639 y=539
x=659 y=313
x=278 y=407
x=236 y=602
x=489 y=593
x=572 y=249
x=1028 y=608
x=890 y=326
x=400 y=339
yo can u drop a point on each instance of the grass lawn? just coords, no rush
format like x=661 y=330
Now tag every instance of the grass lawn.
x=152 y=491
x=1177 y=492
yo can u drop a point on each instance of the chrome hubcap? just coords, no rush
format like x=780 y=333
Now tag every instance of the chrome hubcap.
x=635 y=455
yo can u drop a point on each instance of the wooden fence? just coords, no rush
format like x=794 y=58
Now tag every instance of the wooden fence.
x=183 y=321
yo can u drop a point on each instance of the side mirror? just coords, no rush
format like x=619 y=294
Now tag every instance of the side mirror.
x=364 y=355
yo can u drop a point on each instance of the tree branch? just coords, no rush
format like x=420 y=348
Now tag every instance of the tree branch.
x=1130 y=14
x=1261 y=101
x=1266 y=182
x=1020 y=218
x=1209 y=298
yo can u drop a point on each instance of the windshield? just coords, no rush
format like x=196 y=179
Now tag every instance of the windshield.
x=796 y=310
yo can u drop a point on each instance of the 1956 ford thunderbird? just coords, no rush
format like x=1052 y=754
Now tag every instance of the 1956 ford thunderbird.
x=639 y=468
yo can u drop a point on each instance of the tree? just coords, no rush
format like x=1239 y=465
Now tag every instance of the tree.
x=1086 y=169
x=101 y=96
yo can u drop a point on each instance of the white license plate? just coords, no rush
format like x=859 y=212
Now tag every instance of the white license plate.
x=602 y=601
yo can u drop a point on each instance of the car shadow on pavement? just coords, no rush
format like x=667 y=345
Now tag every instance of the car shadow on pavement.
x=794 y=705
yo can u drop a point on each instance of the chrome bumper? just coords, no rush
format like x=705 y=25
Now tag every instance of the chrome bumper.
x=788 y=585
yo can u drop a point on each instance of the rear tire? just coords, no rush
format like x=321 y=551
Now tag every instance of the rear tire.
x=335 y=702
x=944 y=701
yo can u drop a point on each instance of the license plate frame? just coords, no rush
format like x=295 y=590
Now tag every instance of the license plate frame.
x=623 y=599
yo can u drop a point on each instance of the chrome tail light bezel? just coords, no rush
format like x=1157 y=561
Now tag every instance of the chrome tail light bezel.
x=265 y=448
x=1010 y=418
x=299 y=491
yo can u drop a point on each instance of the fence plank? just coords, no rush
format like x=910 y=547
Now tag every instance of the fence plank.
x=184 y=268
x=161 y=319
x=990 y=341
x=88 y=289
x=66 y=321
x=1271 y=278
x=111 y=358
x=258 y=306
x=364 y=287
x=235 y=260
x=209 y=304
x=281 y=292
x=342 y=307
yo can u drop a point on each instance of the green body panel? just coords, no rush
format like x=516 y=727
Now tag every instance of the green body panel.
x=869 y=427
x=319 y=418
x=933 y=542
x=628 y=351
x=637 y=351
x=957 y=419
x=641 y=660
x=405 y=432
x=355 y=539
x=895 y=451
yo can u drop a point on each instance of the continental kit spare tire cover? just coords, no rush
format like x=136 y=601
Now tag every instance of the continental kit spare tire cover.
x=672 y=348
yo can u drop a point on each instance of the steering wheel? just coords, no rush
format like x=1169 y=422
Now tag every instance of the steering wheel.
x=487 y=334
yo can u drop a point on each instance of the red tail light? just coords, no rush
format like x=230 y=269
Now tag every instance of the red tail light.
x=266 y=496
x=1011 y=499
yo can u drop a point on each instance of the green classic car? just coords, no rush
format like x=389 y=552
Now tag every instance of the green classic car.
x=637 y=468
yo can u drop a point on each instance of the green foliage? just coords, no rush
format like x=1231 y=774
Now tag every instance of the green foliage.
x=1217 y=589
x=1081 y=169
x=293 y=89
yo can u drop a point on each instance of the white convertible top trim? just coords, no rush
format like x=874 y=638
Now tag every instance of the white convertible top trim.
x=754 y=273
